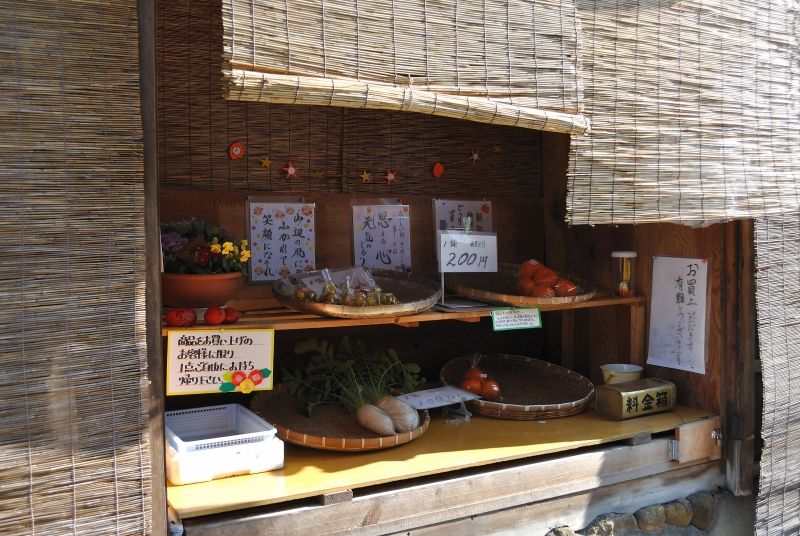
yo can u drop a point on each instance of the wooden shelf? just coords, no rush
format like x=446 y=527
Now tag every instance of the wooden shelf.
x=281 y=318
x=479 y=442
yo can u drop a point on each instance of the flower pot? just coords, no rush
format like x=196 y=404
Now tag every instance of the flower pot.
x=199 y=290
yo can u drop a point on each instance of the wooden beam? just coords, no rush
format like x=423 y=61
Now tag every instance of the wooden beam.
x=460 y=495
x=638 y=334
x=155 y=358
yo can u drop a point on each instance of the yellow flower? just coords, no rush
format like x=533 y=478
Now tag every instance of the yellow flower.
x=235 y=250
x=243 y=244
x=247 y=385
x=245 y=256
x=227 y=247
x=215 y=247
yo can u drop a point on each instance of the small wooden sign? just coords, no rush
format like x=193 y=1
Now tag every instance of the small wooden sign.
x=516 y=318
x=467 y=252
x=219 y=361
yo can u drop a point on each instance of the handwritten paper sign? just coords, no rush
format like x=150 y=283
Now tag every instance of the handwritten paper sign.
x=678 y=314
x=382 y=237
x=450 y=214
x=219 y=361
x=281 y=239
x=467 y=252
x=437 y=397
x=516 y=318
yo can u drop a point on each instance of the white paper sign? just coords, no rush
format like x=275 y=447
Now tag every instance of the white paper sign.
x=467 y=252
x=516 y=318
x=281 y=239
x=437 y=397
x=450 y=214
x=219 y=360
x=678 y=314
x=382 y=237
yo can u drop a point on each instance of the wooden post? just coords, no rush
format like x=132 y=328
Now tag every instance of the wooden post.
x=638 y=335
x=155 y=365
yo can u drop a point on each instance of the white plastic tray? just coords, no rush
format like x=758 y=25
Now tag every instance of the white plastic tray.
x=219 y=441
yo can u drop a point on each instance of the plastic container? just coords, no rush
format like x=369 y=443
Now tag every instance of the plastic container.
x=218 y=441
x=624 y=272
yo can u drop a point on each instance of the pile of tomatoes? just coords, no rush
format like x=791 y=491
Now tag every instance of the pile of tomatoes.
x=214 y=316
x=536 y=279
x=475 y=380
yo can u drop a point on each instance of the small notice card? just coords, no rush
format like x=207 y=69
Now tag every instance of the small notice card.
x=281 y=239
x=437 y=397
x=382 y=237
x=678 y=314
x=450 y=214
x=467 y=252
x=219 y=361
x=517 y=318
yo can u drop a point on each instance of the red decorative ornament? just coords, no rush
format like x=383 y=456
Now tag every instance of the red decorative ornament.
x=391 y=176
x=291 y=170
x=474 y=156
x=236 y=150
x=438 y=170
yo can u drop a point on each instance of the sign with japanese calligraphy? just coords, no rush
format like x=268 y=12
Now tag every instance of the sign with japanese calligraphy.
x=219 y=360
x=382 y=237
x=678 y=314
x=281 y=239
x=450 y=214
x=437 y=397
x=467 y=252
x=516 y=318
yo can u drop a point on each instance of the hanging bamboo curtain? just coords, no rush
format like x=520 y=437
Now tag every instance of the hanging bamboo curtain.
x=778 y=306
x=505 y=62
x=695 y=109
x=74 y=450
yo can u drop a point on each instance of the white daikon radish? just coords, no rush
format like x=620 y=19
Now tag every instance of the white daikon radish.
x=375 y=420
x=404 y=416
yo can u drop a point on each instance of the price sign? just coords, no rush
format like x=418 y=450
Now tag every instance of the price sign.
x=436 y=398
x=219 y=361
x=467 y=252
x=519 y=318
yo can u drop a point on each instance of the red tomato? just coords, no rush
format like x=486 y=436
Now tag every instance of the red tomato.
x=231 y=315
x=543 y=292
x=490 y=389
x=214 y=316
x=526 y=286
x=475 y=373
x=473 y=386
x=529 y=268
x=180 y=317
x=545 y=277
x=565 y=287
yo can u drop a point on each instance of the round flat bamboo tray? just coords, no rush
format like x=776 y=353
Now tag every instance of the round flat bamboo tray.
x=329 y=428
x=530 y=389
x=501 y=287
x=414 y=294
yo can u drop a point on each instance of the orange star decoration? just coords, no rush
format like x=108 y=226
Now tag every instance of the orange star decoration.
x=474 y=156
x=391 y=176
x=317 y=174
x=438 y=170
x=266 y=163
x=366 y=177
x=291 y=170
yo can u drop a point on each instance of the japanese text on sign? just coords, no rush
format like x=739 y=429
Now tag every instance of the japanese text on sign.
x=219 y=361
x=517 y=318
x=678 y=313
x=450 y=214
x=647 y=402
x=382 y=237
x=281 y=239
x=437 y=397
x=467 y=252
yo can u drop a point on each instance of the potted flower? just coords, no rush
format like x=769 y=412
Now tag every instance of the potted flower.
x=203 y=266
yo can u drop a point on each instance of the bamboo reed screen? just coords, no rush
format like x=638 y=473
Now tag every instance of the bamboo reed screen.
x=778 y=308
x=695 y=110
x=331 y=146
x=505 y=62
x=74 y=455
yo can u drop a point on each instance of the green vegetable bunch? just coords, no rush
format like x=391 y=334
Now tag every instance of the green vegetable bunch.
x=349 y=375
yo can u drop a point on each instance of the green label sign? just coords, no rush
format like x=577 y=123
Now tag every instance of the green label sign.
x=517 y=318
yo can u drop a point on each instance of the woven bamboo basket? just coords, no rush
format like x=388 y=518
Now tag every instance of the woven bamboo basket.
x=530 y=389
x=331 y=427
x=414 y=294
x=501 y=287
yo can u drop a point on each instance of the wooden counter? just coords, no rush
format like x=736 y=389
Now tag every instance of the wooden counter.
x=481 y=441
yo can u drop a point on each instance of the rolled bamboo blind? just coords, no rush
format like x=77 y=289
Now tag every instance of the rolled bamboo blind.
x=695 y=110
x=74 y=454
x=778 y=309
x=504 y=62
